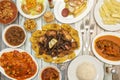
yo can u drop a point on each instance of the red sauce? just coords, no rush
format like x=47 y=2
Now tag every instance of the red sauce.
x=8 y=11
x=108 y=47
x=50 y=74
x=18 y=65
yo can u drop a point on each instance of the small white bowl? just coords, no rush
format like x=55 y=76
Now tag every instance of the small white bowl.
x=3 y=36
x=20 y=50
x=99 y=56
x=40 y=73
x=19 y=2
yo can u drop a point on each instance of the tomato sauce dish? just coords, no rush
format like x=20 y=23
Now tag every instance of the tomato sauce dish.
x=8 y=11
x=17 y=64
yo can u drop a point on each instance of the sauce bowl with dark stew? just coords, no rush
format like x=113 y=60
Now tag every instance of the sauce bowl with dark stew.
x=50 y=73
x=14 y=36
x=106 y=47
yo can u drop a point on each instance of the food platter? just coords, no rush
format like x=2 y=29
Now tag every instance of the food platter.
x=60 y=38
x=79 y=60
x=19 y=3
x=20 y=50
x=99 y=21
x=117 y=62
x=59 y=5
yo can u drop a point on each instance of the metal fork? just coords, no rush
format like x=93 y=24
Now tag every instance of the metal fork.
x=87 y=23
x=82 y=30
x=90 y=38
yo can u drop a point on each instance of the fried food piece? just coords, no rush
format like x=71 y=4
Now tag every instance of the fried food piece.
x=30 y=25
x=48 y=16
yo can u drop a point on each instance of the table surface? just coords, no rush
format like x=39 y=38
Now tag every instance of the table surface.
x=63 y=67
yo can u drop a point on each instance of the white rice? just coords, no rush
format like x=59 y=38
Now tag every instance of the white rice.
x=86 y=71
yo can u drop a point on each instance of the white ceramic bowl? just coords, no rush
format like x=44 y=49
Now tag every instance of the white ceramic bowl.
x=19 y=2
x=99 y=56
x=20 y=50
x=40 y=73
x=3 y=36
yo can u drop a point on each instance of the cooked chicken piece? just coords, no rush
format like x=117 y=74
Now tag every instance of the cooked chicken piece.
x=74 y=45
x=39 y=8
x=108 y=47
x=51 y=33
x=25 y=9
x=67 y=47
x=42 y=39
x=67 y=35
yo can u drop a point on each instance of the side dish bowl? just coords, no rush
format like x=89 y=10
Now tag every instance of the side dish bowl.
x=7 y=50
x=14 y=36
x=55 y=73
x=30 y=16
x=9 y=11
x=109 y=57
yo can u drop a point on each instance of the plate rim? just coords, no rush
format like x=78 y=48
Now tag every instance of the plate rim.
x=21 y=50
x=80 y=17
x=100 y=57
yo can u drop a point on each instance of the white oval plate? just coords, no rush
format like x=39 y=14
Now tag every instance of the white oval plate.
x=99 y=19
x=11 y=49
x=3 y=36
x=85 y=58
x=100 y=57
x=59 y=5
x=19 y=2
